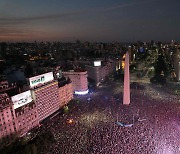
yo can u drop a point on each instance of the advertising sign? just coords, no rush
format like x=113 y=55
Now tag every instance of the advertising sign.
x=34 y=81
x=97 y=63
x=21 y=99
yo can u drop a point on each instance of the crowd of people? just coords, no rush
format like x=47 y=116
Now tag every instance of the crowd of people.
x=93 y=129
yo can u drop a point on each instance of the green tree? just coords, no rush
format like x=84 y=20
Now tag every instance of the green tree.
x=160 y=66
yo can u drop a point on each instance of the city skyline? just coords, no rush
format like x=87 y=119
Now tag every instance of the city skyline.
x=122 y=21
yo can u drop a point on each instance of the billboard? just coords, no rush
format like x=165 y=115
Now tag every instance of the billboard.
x=34 y=81
x=97 y=63
x=21 y=99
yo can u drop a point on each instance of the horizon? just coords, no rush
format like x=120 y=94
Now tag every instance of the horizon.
x=106 y=42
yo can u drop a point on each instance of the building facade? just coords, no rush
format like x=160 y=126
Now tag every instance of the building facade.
x=79 y=80
x=24 y=111
x=26 y=118
x=65 y=92
x=46 y=98
x=16 y=119
x=7 y=117
x=99 y=73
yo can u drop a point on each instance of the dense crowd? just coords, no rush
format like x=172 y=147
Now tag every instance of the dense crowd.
x=93 y=126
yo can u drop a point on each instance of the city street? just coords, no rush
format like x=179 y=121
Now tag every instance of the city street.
x=90 y=77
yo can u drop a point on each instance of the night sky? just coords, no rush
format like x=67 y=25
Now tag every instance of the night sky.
x=91 y=20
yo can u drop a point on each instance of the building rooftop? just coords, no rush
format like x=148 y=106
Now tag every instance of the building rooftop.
x=63 y=81
x=5 y=101
x=75 y=70
x=79 y=70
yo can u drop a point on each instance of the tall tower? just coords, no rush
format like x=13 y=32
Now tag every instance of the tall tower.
x=126 y=95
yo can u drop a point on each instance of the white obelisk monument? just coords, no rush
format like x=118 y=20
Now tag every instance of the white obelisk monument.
x=126 y=95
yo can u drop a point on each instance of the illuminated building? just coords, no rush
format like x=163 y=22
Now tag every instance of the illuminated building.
x=132 y=56
x=79 y=81
x=23 y=112
x=65 y=91
x=123 y=61
x=99 y=71
x=26 y=112
x=7 y=117
x=18 y=114
x=45 y=94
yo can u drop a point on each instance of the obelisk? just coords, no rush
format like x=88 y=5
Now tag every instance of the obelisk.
x=126 y=95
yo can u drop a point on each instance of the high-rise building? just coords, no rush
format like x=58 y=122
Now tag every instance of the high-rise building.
x=25 y=112
x=7 y=116
x=18 y=114
x=45 y=94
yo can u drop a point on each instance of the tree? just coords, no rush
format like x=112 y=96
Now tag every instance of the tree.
x=161 y=70
x=161 y=66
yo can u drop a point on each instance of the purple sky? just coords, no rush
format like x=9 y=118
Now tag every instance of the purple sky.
x=91 y=20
